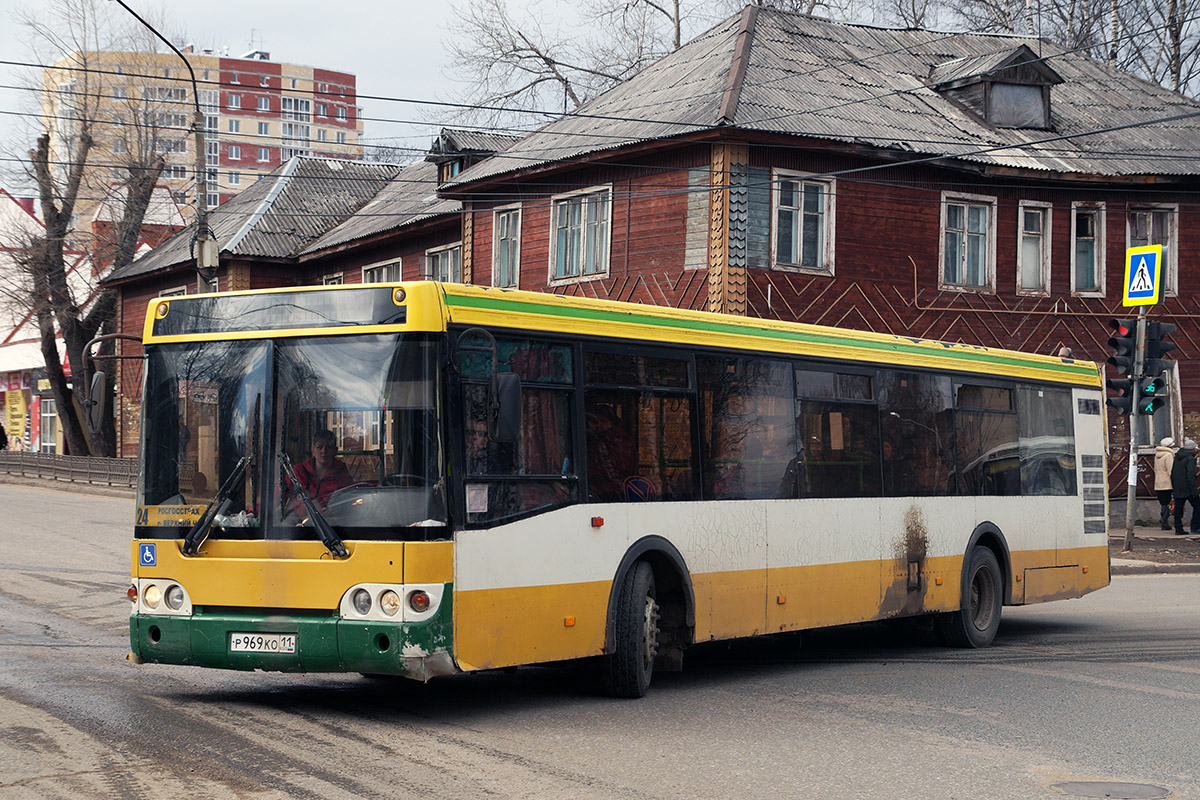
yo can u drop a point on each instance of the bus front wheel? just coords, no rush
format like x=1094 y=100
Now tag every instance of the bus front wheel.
x=627 y=670
x=978 y=618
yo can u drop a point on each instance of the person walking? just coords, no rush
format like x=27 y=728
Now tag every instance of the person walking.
x=1183 y=486
x=1164 y=459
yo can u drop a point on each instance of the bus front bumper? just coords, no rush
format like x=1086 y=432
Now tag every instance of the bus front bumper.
x=322 y=643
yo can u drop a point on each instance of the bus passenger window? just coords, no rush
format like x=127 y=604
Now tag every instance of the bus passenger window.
x=917 y=426
x=838 y=423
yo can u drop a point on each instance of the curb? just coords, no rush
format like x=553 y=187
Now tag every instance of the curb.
x=68 y=486
x=1150 y=568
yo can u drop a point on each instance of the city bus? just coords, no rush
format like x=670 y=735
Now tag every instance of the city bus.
x=526 y=478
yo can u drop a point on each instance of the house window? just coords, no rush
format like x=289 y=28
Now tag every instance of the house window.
x=264 y=154
x=296 y=108
x=1148 y=225
x=235 y=126
x=341 y=137
x=444 y=264
x=322 y=135
x=212 y=199
x=49 y=435
x=506 y=256
x=235 y=179
x=264 y=129
x=235 y=101
x=1013 y=105
x=333 y=280
x=1087 y=248
x=1033 y=248
x=383 y=273
x=264 y=81
x=803 y=219
x=119 y=146
x=119 y=92
x=175 y=172
x=968 y=241
x=321 y=112
x=179 y=198
x=264 y=103
x=341 y=113
x=234 y=78
x=212 y=153
x=579 y=240
x=235 y=152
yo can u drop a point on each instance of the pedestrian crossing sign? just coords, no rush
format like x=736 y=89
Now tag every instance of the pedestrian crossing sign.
x=1143 y=275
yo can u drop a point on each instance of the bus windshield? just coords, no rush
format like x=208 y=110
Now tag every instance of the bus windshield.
x=354 y=417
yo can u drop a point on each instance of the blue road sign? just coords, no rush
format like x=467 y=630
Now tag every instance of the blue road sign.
x=1143 y=275
x=148 y=554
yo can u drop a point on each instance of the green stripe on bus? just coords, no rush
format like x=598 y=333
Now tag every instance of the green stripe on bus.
x=600 y=315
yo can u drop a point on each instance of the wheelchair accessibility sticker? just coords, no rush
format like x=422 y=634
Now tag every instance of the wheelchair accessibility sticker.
x=148 y=555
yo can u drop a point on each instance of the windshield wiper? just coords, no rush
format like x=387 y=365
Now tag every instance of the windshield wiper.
x=220 y=502
x=320 y=525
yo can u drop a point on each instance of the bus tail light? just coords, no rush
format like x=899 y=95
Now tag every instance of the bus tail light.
x=132 y=593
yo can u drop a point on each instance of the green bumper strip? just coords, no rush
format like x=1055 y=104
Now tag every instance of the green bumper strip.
x=324 y=643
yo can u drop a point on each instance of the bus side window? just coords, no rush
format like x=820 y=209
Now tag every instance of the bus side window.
x=838 y=421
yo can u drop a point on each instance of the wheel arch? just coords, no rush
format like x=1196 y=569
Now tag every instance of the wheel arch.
x=989 y=535
x=673 y=583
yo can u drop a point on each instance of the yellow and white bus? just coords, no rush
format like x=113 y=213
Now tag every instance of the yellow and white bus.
x=524 y=478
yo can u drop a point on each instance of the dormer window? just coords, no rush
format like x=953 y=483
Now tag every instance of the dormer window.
x=1008 y=89
x=1015 y=105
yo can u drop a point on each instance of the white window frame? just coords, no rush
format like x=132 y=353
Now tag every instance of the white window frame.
x=341 y=137
x=264 y=129
x=828 y=221
x=962 y=198
x=235 y=179
x=235 y=152
x=322 y=135
x=174 y=291
x=1099 y=209
x=235 y=101
x=379 y=271
x=1170 y=251
x=436 y=253
x=337 y=279
x=264 y=155
x=264 y=102
x=263 y=81
x=515 y=267
x=1047 y=228
x=235 y=126
x=606 y=252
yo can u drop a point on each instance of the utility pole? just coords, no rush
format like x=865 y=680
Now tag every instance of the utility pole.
x=204 y=244
x=1139 y=357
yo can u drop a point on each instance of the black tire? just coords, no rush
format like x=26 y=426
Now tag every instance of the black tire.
x=627 y=669
x=976 y=622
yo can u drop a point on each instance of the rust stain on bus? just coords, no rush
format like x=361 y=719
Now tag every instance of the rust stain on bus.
x=905 y=593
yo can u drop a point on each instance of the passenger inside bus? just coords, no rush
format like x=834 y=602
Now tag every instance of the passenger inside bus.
x=322 y=474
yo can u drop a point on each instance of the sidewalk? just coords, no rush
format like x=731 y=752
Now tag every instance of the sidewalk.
x=1154 y=552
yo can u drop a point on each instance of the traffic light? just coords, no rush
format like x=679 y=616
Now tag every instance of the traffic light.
x=1150 y=395
x=1156 y=347
x=1123 y=401
x=1123 y=342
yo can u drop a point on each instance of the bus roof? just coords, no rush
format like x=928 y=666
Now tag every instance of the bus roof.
x=432 y=306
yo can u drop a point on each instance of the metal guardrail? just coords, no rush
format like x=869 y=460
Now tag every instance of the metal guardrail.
x=70 y=469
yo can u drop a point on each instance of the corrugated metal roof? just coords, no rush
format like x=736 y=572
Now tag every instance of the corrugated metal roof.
x=410 y=197
x=281 y=214
x=456 y=140
x=854 y=83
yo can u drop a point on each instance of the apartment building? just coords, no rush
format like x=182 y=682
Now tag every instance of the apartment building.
x=258 y=114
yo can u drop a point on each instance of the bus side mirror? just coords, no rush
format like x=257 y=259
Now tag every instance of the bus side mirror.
x=504 y=407
x=96 y=403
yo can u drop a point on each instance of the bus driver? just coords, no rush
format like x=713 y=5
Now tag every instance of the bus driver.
x=324 y=473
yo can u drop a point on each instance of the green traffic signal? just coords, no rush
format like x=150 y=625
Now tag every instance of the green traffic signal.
x=1148 y=405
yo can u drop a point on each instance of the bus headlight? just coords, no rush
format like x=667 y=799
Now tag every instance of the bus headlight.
x=174 y=597
x=418 y=601
x=389 y=603
x=152 y=595
x=362 y=601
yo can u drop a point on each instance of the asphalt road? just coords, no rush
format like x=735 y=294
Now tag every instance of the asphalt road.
x=1106 y=688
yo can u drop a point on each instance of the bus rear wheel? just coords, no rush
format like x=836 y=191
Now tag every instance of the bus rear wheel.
x=627 y=670
x=978 y=618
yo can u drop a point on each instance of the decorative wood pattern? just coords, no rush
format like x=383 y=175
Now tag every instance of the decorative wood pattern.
x=726 y=232
x=468 y=230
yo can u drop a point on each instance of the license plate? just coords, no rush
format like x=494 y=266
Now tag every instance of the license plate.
x=262 y=642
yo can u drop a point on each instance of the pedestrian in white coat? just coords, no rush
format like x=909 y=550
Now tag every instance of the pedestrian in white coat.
x=1164 y=458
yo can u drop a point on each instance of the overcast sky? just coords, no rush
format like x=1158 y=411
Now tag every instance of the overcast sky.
x=394 y=49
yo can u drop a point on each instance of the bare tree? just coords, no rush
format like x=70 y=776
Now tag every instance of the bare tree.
x=87 y=152
x=1162 y=41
